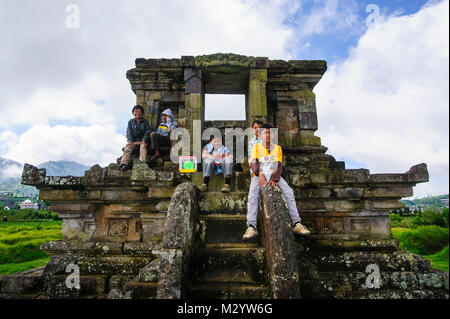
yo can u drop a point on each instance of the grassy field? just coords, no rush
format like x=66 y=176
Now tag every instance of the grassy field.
x=20 y=241
x=431 y=242
x=439 y=260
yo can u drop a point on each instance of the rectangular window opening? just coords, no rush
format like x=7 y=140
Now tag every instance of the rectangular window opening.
x=225 y=107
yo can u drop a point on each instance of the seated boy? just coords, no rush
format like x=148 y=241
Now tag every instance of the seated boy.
x=217 y=158
x=138 y=132
x=265 y=163
x=162 y=134
x=256 y=125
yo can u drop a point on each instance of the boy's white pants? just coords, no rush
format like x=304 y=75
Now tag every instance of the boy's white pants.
x=253 y=200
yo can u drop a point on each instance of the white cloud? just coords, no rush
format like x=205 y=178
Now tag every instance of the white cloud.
x=85 y=145
x=7 y=140
x=77 y=102
x=338 y=18
x=10 y=171
x=387 y=104
x=331 y=15
x=54 y=75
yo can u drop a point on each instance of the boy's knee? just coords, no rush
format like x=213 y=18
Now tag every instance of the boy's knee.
x=288 y=191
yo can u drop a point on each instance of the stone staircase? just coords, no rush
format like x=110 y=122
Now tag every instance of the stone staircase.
x=225 y=266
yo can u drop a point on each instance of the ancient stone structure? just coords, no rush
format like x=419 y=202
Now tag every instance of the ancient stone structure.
x=149 y=233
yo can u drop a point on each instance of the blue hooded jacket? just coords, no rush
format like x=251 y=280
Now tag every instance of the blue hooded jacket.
x=164 y=128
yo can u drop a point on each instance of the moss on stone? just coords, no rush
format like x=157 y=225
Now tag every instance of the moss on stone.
x=217 y=59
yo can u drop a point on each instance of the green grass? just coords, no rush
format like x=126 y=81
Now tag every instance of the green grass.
x=431 y=242
x=19 y=244
x=8 y=269
x=423 y=240
x=439 y=260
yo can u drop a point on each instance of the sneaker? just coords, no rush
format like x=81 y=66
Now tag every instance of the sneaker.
x=123 y=167
x=250 y=233
x=204 y=188
x=301 y=230
x=225 y=188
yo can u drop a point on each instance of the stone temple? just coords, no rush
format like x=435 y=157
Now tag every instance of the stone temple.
x=150 y=233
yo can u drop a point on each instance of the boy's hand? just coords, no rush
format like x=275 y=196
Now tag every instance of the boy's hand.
x=143 y=143
x=272 y=183
x=262 y=180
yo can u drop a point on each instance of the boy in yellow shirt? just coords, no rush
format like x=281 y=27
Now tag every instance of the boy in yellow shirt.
x=265 y=163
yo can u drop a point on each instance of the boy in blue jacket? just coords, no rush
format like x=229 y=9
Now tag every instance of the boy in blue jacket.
x=162 y=134
x=217 y=158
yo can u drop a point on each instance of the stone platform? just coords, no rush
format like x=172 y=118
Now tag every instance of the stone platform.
x=149 y=232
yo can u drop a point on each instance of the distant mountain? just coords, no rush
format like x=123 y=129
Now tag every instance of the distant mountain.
x=426 y=201
x=11 y=172
x=62 y=168
x=5 y=161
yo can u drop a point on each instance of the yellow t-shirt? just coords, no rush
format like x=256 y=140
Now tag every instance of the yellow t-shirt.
x=267 y=159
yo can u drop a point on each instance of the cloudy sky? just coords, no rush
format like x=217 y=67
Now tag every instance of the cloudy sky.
x=383 y=104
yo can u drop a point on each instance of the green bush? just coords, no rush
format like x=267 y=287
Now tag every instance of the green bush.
x=14 y=215
x=445 y=216
x=424 y=240
x=418 y=221
x=432 y=216
x=396 y=220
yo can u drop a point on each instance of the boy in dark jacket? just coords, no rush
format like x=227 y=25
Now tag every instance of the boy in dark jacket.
x=138 y=132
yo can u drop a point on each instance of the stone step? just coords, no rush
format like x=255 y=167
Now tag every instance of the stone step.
x=359 y=260
x=230 y=265
x=90 y=286
x=223 y=290
x=24 y=296
x=395 y=280
x=23 y=283
x=318 y=242
x=240 y=181
x=215 y=182
x=212 y=202
x=225 y=228
x=233 y=245
x=140 y=290
x=396 y=294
